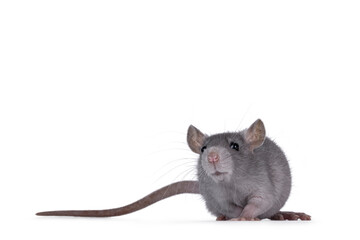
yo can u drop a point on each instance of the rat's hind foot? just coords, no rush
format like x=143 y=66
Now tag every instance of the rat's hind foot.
x=292 y=216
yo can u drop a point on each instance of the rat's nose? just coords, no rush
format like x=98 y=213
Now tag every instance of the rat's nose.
x=213 y=157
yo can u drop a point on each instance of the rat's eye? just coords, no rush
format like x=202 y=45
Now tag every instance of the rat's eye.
x=234 y=146
x=203 y=148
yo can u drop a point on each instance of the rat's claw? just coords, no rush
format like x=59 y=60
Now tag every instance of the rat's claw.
x=304 y=216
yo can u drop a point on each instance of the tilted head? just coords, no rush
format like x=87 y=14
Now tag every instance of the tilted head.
x=221 y=154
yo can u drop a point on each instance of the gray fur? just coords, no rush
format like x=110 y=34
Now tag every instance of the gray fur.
x=257 y=181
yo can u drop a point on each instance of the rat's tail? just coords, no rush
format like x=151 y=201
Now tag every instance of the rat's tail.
x=162 y=193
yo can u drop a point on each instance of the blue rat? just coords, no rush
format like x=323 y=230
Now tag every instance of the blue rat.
x=242 y=176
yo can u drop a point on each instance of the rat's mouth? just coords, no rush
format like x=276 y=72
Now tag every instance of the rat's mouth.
x=219 y=176
x=217 y=173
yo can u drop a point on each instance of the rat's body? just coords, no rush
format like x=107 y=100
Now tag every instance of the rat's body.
x=264 y=179
x=241 y=176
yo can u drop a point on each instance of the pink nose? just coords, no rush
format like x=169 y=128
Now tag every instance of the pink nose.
x=213 y=157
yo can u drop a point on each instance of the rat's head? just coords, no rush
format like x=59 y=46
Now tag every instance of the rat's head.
x=221 y=154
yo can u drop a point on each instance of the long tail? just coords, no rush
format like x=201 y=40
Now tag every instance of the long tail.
x=162 y=193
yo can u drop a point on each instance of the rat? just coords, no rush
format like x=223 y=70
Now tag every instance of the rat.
x=242 y=176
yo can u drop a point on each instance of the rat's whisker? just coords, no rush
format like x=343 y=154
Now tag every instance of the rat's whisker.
x=172 y=169
x=185 y=173
x=175 y=161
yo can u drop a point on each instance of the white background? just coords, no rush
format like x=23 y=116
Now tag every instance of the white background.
x=96 y=98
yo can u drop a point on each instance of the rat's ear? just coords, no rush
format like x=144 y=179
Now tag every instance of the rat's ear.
x=255 y=134
x=195 y=139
